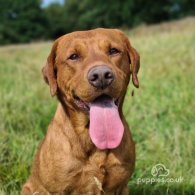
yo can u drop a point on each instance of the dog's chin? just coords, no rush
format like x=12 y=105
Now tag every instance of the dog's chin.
x=102 y=99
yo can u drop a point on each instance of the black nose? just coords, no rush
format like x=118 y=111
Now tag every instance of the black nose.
x=100 y=76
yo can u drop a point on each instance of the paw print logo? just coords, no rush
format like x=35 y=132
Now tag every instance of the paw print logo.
x=159 y=170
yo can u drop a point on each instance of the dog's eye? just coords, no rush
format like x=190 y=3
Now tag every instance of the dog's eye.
x=113 y=51
x=74 y=56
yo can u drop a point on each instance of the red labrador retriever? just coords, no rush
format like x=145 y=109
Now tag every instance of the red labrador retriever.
x=88 y=148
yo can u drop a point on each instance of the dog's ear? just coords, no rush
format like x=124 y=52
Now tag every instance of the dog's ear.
x=134 y=61
x=49 y=70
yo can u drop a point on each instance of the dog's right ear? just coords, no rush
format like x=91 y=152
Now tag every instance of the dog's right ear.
x=49 y=70
x=134 y=58
x=134 y=61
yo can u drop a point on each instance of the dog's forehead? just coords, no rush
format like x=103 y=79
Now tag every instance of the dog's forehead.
x=112 y=35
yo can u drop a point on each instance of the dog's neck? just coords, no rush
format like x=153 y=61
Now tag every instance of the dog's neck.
x=77 y=122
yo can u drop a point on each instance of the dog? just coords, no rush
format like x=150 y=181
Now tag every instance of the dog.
x=88 y=148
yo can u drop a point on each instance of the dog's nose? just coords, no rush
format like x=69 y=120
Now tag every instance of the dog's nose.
x=100 y=76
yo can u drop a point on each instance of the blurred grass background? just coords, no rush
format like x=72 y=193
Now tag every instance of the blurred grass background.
x=161 y=114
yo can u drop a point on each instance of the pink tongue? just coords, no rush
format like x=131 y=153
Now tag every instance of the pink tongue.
x=106 y=129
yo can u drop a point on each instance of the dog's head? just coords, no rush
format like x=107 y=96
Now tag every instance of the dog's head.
x=88 y=64
x=88 y=68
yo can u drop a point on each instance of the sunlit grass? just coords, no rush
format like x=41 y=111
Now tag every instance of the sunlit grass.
x=161 y=113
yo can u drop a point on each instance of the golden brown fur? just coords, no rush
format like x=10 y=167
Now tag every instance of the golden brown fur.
x=67 y=162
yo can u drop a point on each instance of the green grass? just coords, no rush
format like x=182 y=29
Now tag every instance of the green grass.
x=161 y=113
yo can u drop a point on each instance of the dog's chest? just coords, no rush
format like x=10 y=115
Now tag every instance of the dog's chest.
x=98 y=169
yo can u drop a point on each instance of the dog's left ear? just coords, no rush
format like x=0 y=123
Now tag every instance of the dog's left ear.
x=134 y=61
x=49 y=71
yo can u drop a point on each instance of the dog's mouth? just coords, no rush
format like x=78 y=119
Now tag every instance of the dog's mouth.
x=105 y=127
x=102 y=100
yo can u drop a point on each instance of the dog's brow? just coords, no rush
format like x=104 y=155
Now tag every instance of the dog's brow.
x=77 y=46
